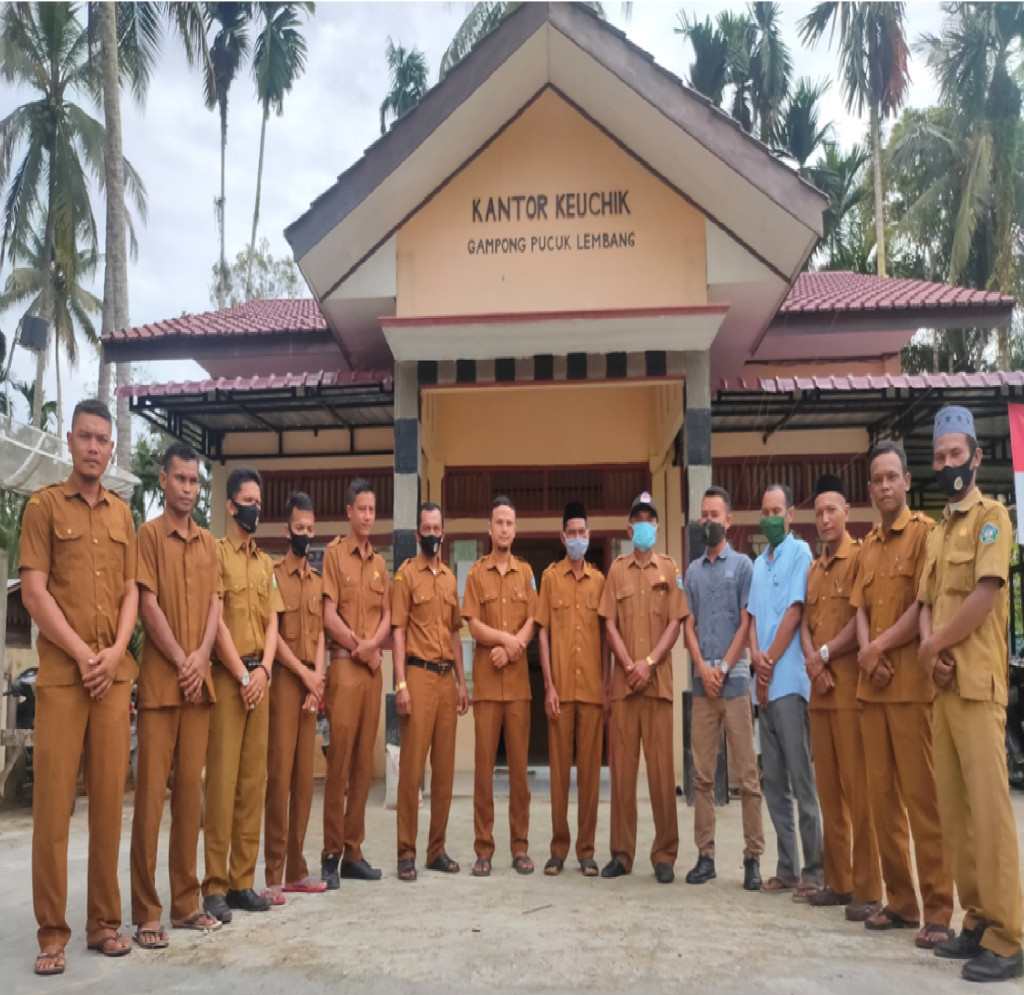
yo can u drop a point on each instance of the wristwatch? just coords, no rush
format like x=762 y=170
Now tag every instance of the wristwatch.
x=824 y=653
x=245 y=679
x=723 y=667
x=652 y=663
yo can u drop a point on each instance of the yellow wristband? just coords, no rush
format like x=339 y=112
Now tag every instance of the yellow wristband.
x=400 y=686
x=650 y=662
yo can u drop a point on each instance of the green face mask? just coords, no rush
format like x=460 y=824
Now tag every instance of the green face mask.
x=773 y=528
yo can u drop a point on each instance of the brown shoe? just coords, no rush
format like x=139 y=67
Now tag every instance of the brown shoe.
x=825 y=897
x=859 y=911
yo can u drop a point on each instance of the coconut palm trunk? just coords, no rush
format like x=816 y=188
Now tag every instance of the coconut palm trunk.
x=115 y=276
x=876 y=168
x=256 y=209
x=222 y=281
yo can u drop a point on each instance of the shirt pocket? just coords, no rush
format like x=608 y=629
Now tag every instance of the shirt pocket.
x=117 y=553
x=659 y=600
x=70 y=557
x=958 y=572
x=624 y=602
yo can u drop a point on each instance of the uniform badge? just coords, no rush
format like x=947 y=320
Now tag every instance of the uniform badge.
x=533 y=582
x=989 y=534
x=376 y=574
x=34 y=501
x=273 y=579
x=398 y=576
x=679 y=580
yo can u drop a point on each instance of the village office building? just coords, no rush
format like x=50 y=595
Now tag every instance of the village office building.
x=564 y=276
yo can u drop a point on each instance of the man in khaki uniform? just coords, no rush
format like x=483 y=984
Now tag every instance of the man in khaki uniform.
x=828 y=636
x=499 y=603
x=896 y=699
x=964 y=611
x=77 y=557
x=295 y=696
x=357 y=617
x=643 y=605
x=179 y=604
x=236 y=757
x=428 y=648
x=574 y=659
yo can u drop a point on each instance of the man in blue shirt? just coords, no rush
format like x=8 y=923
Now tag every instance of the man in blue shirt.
x=717 y=586
x=777 y=592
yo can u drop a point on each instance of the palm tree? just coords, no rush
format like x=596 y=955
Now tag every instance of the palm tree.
x=840 y=175
x=799 y=132
x=278 y=60
x=873 y=66
x=771 y=67
x=709 y=71
x=407 y=80
x=228 y=51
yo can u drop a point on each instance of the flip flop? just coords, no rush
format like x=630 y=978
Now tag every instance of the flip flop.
x=775 y=886
x=932 y=935
x=307 y=886
x=482 y=868
x=407 y=869
x=522 y=863
x=589 y=867
x=887 y=919
x=57 y=956
x=110 y=946
x=443 y=863
x=199 y=920
x=152 y=939
x=274 y=896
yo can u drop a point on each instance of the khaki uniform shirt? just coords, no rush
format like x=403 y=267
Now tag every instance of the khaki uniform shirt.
x=567 y=609
x=971 y=543
x=888 y=579
x=358 y=585
x=250 y=592
x=302 y=591
x=642 y=600
x=504 y=603
x=88 y=555
x=828 y=610
x=183 y=576
x=425 y=606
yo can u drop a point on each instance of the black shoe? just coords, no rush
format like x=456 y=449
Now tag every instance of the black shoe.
x=215 y=905
x=751 y=874
x=615 y=868
x=963 y=947
x=329 y=872
x=989 y=966
x=664 y=873
x=359 y=870
x=248 y=900
x=703 y=870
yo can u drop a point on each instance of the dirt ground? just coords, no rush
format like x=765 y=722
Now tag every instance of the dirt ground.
x=503 y=934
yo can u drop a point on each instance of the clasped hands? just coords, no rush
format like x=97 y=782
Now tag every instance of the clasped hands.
x=938 y=664
x=822 y=679
x=507 y=651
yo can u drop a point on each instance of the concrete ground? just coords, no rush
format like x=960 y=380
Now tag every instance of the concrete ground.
x=503 y=934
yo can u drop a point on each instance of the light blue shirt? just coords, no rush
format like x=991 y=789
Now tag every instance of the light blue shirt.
x=780 y=580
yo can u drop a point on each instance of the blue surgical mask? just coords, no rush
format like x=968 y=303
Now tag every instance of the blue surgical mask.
x=643 y=535
x=577 y=548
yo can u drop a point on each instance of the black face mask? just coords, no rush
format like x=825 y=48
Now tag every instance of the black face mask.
x=714 y=533
x=430 y=545
x=247 y=516
x=953 y=480
x=300 y=543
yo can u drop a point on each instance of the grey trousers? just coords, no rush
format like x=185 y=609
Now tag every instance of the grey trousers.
x=787 y=770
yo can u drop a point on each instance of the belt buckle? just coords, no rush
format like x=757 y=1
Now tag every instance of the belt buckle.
x=250 y=663
x=444 y=668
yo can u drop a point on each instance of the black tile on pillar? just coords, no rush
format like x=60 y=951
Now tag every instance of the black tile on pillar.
x=407 y=445
x=543 y=367
x=505 y=370
x=615 y=365
x=465 y=371
x=576 y=366
x=426 y=372
x=655 y=363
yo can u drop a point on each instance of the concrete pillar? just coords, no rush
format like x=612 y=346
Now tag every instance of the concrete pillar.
x=696 y=436
x=407 y=460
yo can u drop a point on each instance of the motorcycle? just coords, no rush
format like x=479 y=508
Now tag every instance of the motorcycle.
x=1015 y=723
x=23 y=690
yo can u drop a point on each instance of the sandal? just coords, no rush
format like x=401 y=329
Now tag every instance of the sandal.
x=589 y=867
x=931 y=935
x=803 y=892
x=199 y=920
x=482 y=867
x=775 y=885
x=307 y=886
x=522 y=864
x=110 y=945
x=152 y=939
x=274 y=895
x=44 y=968
x=407 y=869
x=887 y=919
x=443 y=863
x=554 y=866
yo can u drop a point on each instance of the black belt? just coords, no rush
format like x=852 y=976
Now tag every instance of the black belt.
x=251 y=663
x=434 y=668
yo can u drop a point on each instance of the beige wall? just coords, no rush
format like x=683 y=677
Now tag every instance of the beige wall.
x=551 y=149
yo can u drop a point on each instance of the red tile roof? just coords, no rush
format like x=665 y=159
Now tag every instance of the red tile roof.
x=901 y=381
x=842 y=290
x=811 y=293
x=284 y=381
x=251 y=318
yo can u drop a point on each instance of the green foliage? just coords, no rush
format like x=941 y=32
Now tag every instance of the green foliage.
x=799 y=132
x=271 y=278
x=148 y=499
x=407 y=82
x=12 y=506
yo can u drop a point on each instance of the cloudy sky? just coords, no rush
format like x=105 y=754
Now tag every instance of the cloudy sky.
x=331 y=116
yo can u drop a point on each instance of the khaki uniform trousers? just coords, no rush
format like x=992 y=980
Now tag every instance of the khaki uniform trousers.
x=977 y=820
x=176 y=737
x=851 y=861
x=236 y=780
x=429 y=728
x=901 y=788
x=582 y=724
x=489 y=719
x=639 y=720
x=352 y=701
x=69 y=724
x=291 y=743
x=708 y=717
